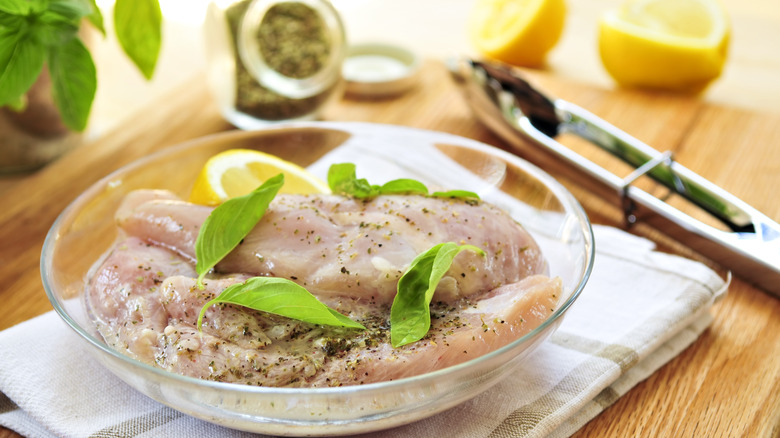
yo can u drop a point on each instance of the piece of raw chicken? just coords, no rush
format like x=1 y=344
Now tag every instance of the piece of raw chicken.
x=349 y=253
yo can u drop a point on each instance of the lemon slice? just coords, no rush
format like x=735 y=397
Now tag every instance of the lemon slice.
x=518 y=32
x=236 y=172
x=679 y=45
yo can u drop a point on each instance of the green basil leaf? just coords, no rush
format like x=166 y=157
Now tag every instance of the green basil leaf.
x=280 y=297
x=342 y=179
x=410 y=314
x=96 y=17
x=19 y=105
x=54 y=30
x=21 y=62
x=74 y=82
x=403 y=185
x=72 y=10
x=11 y=22
x=138 y=26
x=229 y=223
x=22 y=7
x=455 y=194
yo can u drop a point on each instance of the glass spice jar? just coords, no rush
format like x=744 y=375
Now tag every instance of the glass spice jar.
x=272 y=60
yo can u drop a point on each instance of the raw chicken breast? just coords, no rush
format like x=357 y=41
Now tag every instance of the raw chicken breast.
x=332 y=244
x=349 y=253
x=123 y=295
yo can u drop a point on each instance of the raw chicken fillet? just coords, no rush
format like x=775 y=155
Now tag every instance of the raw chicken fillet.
x=350 y=254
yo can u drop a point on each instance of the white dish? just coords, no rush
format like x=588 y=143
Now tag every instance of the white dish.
x=379 y=70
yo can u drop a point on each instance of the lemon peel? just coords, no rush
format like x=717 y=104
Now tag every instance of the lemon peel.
x=236 y=172
x=517 y=32
x=678 y=45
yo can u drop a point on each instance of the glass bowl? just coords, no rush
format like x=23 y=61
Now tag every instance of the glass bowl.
x=86 y=229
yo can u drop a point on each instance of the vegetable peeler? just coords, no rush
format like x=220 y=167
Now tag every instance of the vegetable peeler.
x=748 y=243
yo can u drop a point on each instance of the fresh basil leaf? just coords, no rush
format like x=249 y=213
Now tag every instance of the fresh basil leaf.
x=410 y=314
x=96 y=17
x=403 y=185
x=343 y=179
x=53 y=30
x=280 y=297
x=72 y=10
x=138 y=26
x=229 y=223
x=455 y=194
x=10 y=22
x=19 y=105
x=74 y=82
x=75 y=10
x=22 y=7
x=14 y=7
x=21 y=62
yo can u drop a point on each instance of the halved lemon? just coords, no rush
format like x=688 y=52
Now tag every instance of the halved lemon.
x=679 y=45
x=236 y=172
x=517 y=32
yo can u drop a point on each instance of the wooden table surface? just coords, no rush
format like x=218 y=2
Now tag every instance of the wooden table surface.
x=726 y=384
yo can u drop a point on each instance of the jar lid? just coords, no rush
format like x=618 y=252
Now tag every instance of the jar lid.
x=379 y=70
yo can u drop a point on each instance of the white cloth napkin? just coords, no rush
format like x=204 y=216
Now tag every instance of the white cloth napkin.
x=639 y=309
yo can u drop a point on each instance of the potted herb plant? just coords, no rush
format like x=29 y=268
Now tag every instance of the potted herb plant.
x=47 y=75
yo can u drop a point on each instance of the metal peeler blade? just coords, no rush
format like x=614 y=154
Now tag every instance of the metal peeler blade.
x=529 y=120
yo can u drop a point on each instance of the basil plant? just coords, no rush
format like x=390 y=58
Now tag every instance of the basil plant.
x=38 y=34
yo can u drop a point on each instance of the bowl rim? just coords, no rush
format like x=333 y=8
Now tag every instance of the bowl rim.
x=550 y=182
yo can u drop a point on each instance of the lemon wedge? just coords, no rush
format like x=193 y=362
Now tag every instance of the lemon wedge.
x=517 y=32
x=236 y=172
x=679 y=45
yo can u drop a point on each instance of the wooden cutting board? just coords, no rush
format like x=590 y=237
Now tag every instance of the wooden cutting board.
x=726 y=384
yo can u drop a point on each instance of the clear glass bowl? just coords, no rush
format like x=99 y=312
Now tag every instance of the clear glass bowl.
x=85 y=230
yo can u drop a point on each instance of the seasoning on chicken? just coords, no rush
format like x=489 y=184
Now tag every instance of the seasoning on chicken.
x=348 y=253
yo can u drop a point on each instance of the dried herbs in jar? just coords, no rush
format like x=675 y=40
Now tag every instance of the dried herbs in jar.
x=287 y=57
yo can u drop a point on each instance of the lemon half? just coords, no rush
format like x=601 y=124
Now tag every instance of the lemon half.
x=518 y=32
x=679 y=45
x=236 y=172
